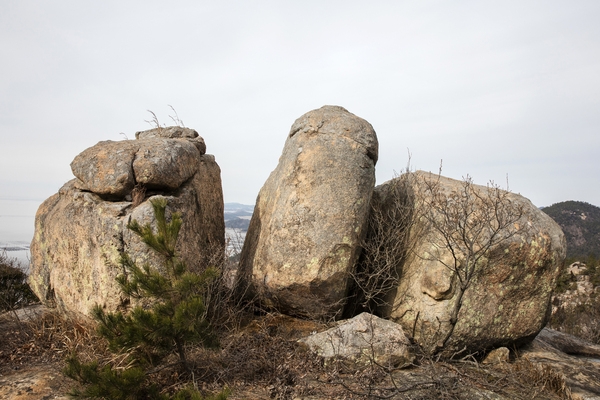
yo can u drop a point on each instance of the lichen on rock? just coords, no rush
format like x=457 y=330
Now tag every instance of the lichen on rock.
x=310 y=215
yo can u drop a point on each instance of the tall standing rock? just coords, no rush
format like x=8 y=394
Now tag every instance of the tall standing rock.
x=310 y=215
x=81 y=231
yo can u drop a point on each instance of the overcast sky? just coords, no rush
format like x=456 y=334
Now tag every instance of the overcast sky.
x=494 y=88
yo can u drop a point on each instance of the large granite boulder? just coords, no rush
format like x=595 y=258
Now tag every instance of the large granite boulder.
x=310 y=215
x=514 y=250
x=81 y=231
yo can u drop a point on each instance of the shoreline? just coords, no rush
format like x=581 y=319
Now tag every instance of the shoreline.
x=18 y=250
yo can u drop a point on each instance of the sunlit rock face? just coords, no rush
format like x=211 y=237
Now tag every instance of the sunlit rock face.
x=508 y=297
x=310 y=215
x=81 y=231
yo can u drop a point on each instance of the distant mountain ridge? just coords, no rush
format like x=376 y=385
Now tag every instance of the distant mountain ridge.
x=237 y=216
x=580 y=221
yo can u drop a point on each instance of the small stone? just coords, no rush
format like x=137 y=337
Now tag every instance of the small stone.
x=361 y=341
x=497 y=356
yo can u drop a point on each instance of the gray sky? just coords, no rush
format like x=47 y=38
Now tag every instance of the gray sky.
x=492 y=88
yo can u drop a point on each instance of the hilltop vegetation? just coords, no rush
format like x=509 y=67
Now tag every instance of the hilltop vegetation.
x=576 y=305
x=580 y=221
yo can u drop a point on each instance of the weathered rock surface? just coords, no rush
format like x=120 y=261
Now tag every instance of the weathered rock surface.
x=114 y=168
x=80 y=232
x=362 y=341
x=34 y=383
x=174 y=132
x=581 y=291
x=106 y=168
x=569 y=344
x=310 y=215
x=558 y=351
x=507 y=300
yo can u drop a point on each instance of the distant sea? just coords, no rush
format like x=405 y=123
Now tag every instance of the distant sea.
x=18 y=250
x=17 y=217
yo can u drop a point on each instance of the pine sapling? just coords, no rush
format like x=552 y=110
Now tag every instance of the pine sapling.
x=173 y=319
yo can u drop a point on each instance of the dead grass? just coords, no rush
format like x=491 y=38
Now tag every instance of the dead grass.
x=46 y=339
x=138 y=194
x=262 y=354
x=429 y=379
x=261 y=360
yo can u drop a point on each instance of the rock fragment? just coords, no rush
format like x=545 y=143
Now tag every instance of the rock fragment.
x=363 y=341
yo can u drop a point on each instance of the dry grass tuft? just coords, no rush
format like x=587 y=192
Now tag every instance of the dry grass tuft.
x=262 y=353
x=45 y=339
x=542 y=377
x=138 y=194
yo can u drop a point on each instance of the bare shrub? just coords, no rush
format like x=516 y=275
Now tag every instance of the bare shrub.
x=391 y=237
x=224 y=308
x=384 y=247
x=468 y=225
x=14 y=290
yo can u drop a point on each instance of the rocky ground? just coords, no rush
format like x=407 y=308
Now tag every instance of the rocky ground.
x=30 y=360
x=262 y=361
x=576 y=308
